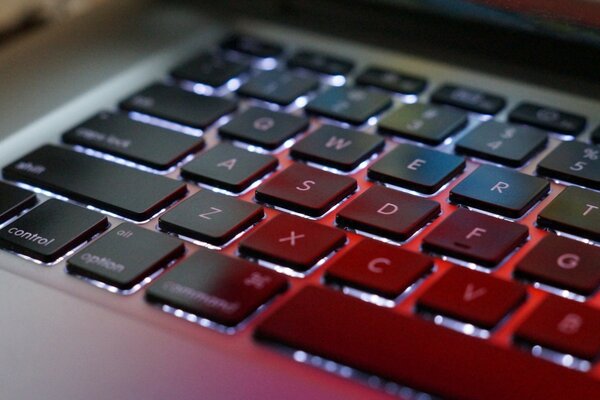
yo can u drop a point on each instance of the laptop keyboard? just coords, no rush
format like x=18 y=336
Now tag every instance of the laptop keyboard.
x=336 y=217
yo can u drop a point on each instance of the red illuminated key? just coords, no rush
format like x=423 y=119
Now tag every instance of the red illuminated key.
x=563 y=325
x=291 y=241
x=472 y=296
x=389 y=213
x=564 y=263
x=305 y=190
x=416 y=353
x=379 y=268
x=475 y=237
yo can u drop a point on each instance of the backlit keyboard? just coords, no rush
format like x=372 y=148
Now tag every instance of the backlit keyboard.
x=356 y=218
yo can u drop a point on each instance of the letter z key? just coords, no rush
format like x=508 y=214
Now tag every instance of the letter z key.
x=306 y=190
x=211 y=217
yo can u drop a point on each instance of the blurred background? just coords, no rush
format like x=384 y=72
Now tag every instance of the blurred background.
x=19 y=17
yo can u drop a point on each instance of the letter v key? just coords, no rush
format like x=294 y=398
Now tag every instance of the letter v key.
x=471 y=294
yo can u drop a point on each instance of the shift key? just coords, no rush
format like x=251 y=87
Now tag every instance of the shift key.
x=121 y=190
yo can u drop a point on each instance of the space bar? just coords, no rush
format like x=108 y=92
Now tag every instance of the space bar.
x=416 y=353
x=124 y=191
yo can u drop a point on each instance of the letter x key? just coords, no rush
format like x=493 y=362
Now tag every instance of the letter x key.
x=292 y=242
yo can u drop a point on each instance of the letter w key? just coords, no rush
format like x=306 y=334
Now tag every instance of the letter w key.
x=336 y=147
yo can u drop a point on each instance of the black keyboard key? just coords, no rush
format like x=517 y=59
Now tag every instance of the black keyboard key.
x=596 y=135
x=349 y=104
x=177 y=105
x=502 y=143
x=499 y=190
x=209 y=69
x=378 y=268
x=211 y=217
x=51 y=230
x=563 y=263
x=125 y=256
x=280 y=87
x=229 y=167
x=548 y=118
x=391 y=80
x=337 y=147
x=252 y=45
x=319 y=62
x=416 y=353
x=13 y=200
x=264 y=128
x=112 y=187
x=472 y=297
x=575 y=211
x=416 y=168
x=475 y=237
x=563 y=325
x=469 y=99
x=306 y=190
x=220 y=288
x=388 y=213
x=293 y=242
x=423 y=123
x=574 y=162
x=118 y=135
